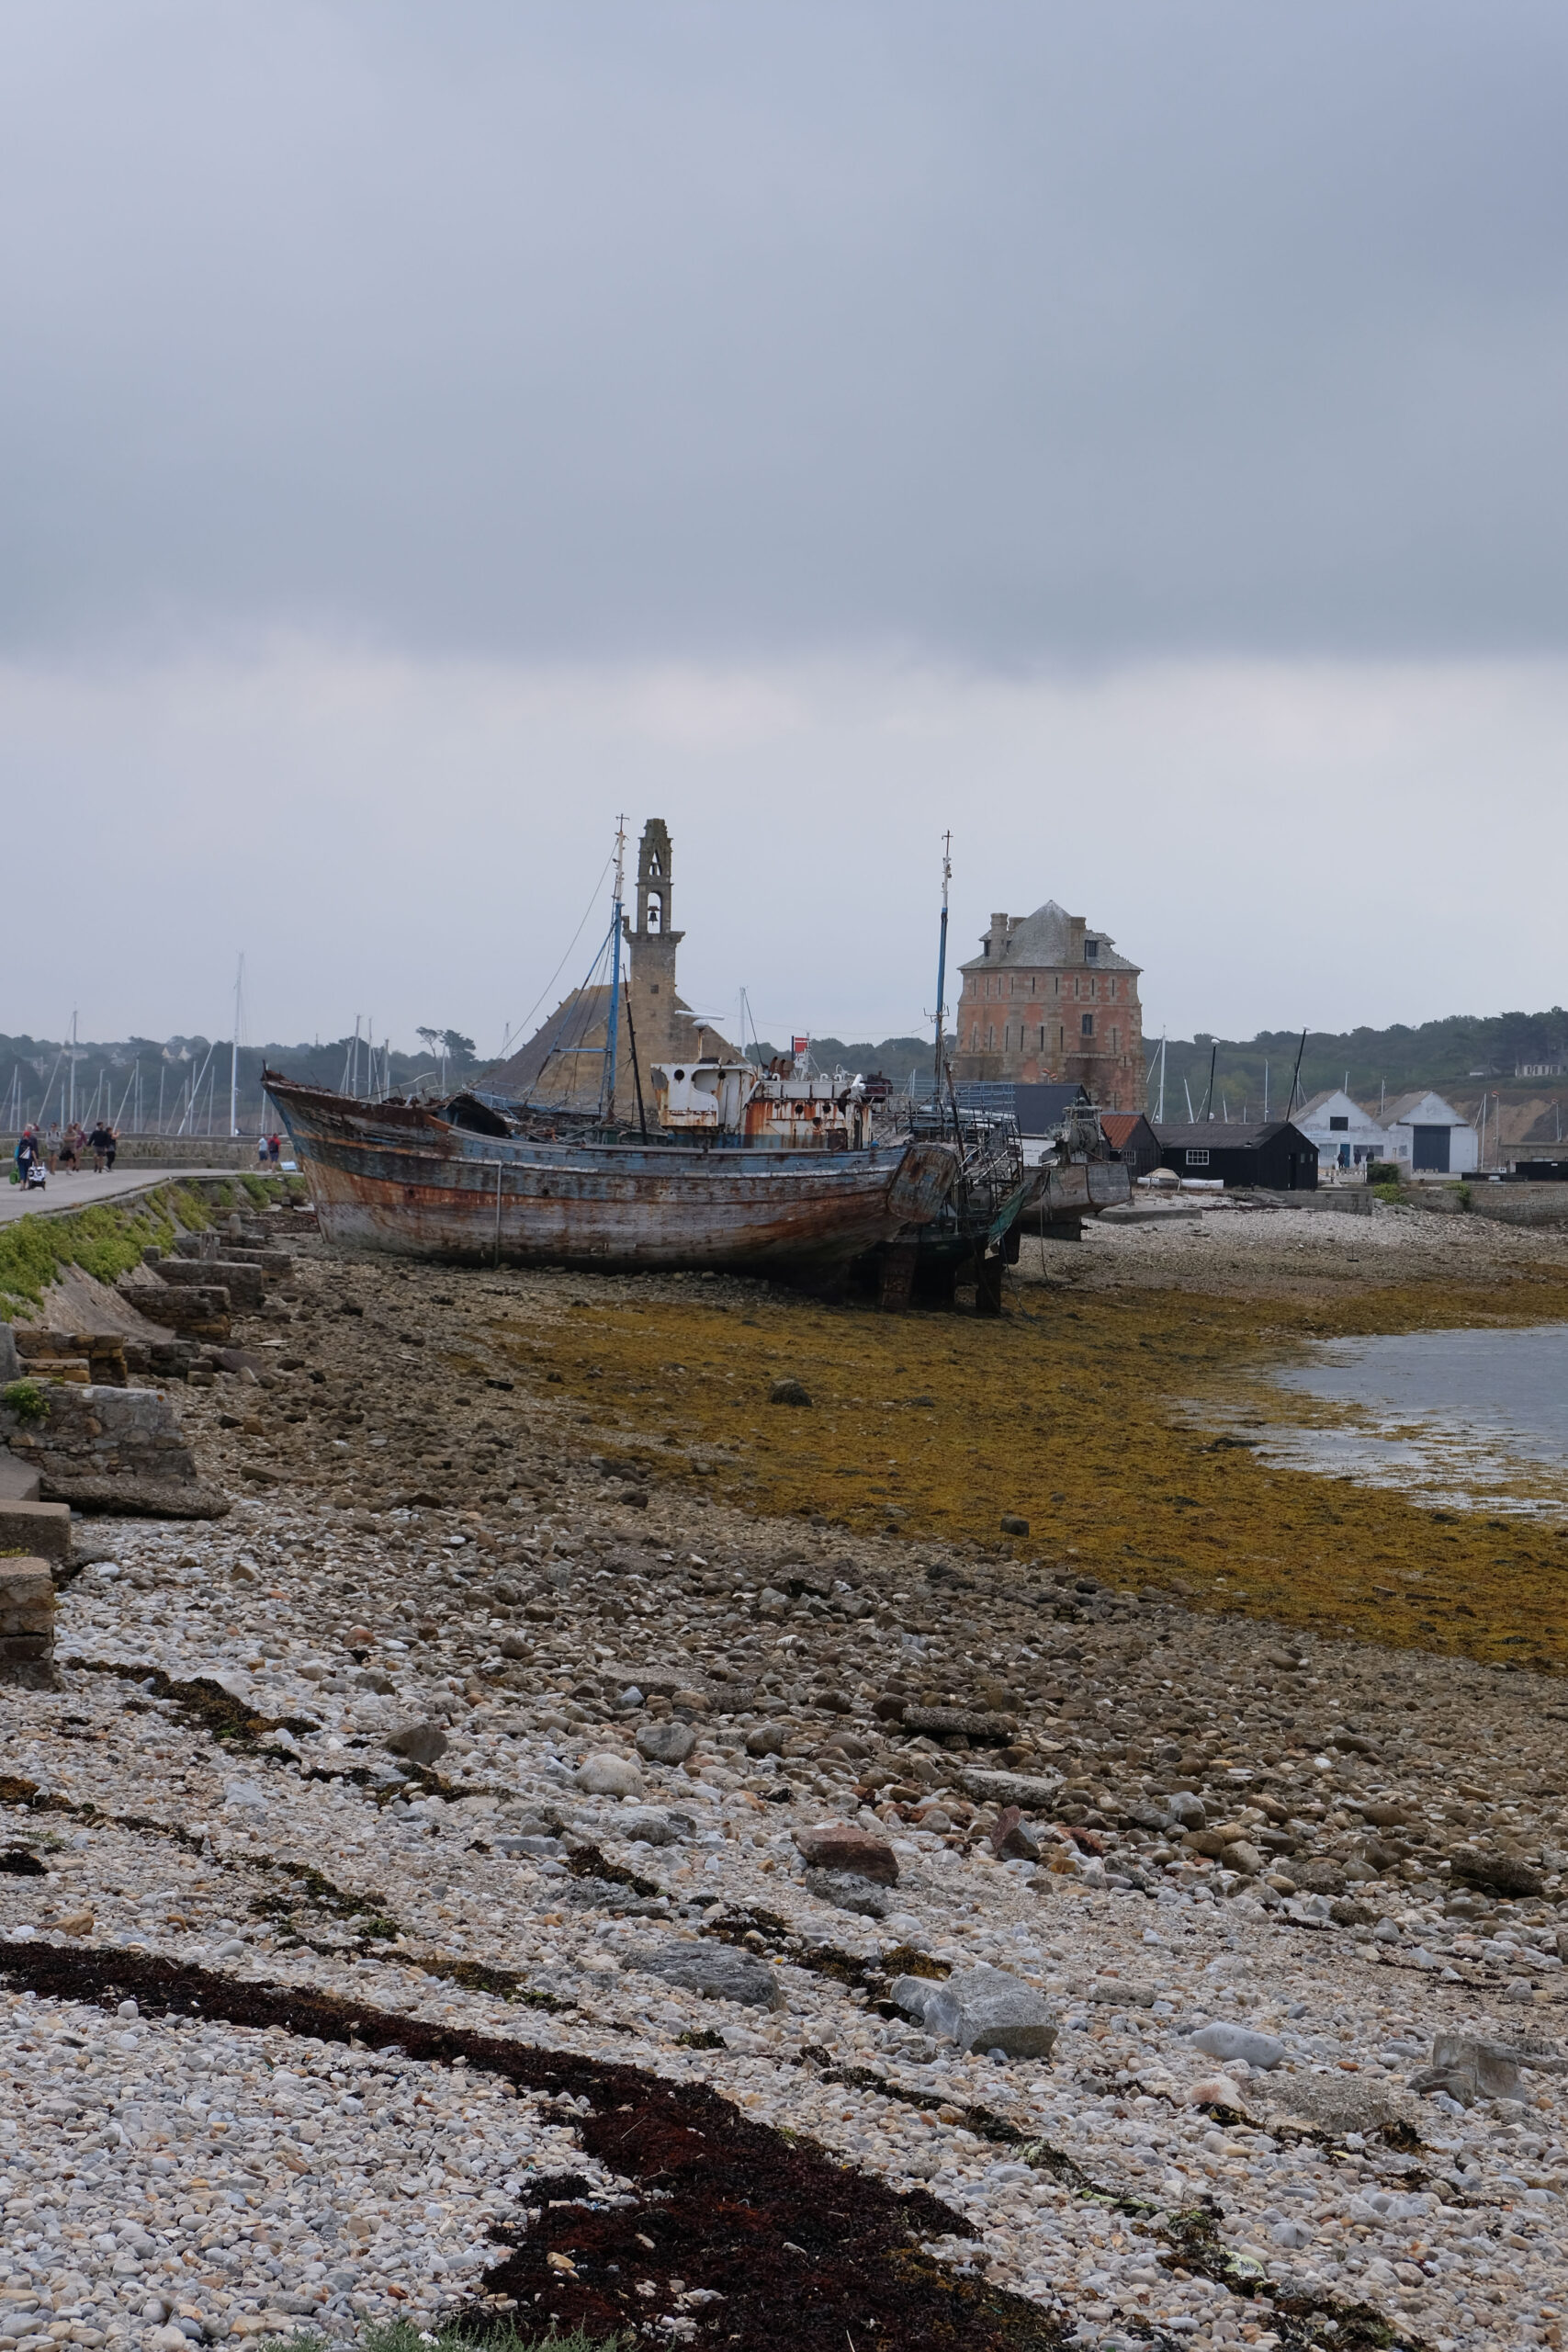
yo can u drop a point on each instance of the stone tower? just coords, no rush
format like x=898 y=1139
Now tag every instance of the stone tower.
x=1049 y=998
x=661 y=1035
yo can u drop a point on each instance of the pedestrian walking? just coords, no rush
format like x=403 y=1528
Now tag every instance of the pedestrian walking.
x=261 y=1152
x=70 y=1147
x=100 y=1143
x=52 y=1144
x=274 y=1149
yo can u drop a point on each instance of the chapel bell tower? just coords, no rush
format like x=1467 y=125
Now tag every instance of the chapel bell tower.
x=653 y=944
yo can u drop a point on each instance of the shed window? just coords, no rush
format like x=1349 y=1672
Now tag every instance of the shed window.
x=1088 y=1024
x=1339 y=1126
x=1197 y=1159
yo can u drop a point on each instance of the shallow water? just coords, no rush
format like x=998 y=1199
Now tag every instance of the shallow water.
x=1467 y=1419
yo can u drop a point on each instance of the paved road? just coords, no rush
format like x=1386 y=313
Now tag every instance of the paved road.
x=65 y=1193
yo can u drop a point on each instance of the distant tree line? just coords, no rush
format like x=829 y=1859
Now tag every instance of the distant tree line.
x=145 y=1085
x=174 y=1085
x=1443 y=1055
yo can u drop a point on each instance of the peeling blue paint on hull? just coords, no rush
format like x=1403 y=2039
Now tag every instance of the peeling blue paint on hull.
x=397 y=1178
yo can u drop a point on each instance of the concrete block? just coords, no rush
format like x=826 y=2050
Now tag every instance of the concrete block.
x=27 y=1624
x=41 y=1529
x=243 y=1281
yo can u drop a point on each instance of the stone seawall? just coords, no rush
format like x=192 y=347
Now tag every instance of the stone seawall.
x=175 y=1151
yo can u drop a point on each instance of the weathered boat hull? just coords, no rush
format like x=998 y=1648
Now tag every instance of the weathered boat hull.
x=397 y=1178
x=1082 y=1188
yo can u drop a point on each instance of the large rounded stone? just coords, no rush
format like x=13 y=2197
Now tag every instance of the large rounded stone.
x=609 y=1776
x=666 y=1743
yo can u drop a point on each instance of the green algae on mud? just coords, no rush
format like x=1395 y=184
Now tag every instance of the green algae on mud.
x=1074 y=1418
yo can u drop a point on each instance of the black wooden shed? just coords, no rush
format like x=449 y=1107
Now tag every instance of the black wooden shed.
x=1271 y=1153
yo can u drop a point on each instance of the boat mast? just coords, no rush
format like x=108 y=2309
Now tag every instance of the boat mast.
x=941 y=960
x=234 y=1053
x=607 y=1100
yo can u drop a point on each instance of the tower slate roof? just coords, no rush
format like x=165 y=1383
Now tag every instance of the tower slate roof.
x=1045 y=937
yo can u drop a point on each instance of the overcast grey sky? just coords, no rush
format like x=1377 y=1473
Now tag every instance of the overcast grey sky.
x=1130 y=434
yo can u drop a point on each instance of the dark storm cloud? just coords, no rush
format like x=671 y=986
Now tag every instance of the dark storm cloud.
x=997 y=331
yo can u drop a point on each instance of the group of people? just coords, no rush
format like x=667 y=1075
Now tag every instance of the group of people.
x=269 y=1150
x=49 y=1149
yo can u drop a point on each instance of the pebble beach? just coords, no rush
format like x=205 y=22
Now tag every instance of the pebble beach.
x=488 y=1738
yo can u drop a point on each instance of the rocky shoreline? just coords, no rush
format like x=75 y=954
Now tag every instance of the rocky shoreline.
x=454 y=1721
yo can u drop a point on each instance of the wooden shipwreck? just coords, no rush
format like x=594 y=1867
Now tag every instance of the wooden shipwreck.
x=471 y=1182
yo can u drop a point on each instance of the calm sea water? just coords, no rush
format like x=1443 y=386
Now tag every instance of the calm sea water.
x=1471 y=1419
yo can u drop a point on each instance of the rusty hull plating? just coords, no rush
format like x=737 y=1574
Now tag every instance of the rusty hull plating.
x=397 y=1177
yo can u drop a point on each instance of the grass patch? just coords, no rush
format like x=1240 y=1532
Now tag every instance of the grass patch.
x=105 y=1241
x=1065 y=1413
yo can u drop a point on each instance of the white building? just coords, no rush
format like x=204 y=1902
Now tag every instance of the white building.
x=1428 y=1136
x=1346 y=1135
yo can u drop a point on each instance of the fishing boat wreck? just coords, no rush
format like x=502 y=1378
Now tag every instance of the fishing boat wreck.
x=703 y=1161
x=468 y=1182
